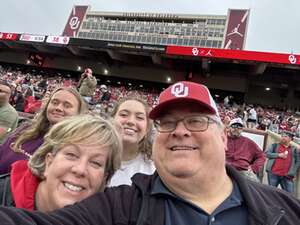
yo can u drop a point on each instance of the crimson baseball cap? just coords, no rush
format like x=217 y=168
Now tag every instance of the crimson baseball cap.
x=88 y=71
x=184 y=91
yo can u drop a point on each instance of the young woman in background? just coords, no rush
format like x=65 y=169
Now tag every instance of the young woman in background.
x=24 y=141
x=131 y=117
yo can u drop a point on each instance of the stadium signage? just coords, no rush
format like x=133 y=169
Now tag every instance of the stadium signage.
x=234 y=54
x=61 y=40
x=141 y=47
x=236 y=29
x=292 y=59
x=33 y=38
x=8 y=36
x=75 y=19
x=151 y=15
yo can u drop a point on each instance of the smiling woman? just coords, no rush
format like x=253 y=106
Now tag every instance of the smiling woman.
x=131 y=117
x=78 y=157
x=62 y=103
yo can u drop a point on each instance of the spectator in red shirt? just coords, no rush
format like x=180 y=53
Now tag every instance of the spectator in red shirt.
x=283 y=162
x=243 y=153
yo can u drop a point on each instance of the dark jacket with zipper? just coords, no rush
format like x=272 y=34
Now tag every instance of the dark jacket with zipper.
x=6 y=198
x=135 y=205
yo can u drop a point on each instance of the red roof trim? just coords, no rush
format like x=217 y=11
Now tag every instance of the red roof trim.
x=234 y=54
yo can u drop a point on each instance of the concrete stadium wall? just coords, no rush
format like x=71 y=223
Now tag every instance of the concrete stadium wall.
x=11 y=57
x=276 y=96
x=223 y=82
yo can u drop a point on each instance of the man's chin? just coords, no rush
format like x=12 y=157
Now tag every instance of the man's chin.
x=178 y=169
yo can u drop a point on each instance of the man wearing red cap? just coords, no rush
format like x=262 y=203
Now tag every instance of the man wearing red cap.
x=192 y=184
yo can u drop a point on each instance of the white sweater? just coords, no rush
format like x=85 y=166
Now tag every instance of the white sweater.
x=129 y=168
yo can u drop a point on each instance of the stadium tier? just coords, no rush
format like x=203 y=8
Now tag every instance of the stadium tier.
x=210 y=31
x=163 y=48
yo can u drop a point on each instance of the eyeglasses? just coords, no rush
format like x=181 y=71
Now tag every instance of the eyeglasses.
x=191 y=123
x=236 y=126
x=287 y=135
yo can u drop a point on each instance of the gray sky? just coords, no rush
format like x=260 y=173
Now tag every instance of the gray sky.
x=274 y=25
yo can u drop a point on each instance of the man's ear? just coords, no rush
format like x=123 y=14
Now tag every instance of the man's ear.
x=224 y=138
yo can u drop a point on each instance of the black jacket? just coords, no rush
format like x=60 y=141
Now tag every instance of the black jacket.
x=134 y=205
x=6 y=198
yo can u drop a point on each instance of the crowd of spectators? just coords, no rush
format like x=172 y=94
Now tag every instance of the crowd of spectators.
x=32 y=87
x=267 y=118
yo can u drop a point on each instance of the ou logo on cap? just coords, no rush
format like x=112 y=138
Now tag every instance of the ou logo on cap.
x=179 y=90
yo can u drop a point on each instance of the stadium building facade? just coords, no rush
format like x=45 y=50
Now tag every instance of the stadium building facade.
x=210 y=31
x=245 y=74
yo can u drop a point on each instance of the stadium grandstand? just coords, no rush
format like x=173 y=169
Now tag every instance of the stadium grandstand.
x=160 y=29
x=142 y=53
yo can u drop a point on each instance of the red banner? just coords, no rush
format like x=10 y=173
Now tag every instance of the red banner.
x=74 y=22
x=236 y=29
x=234 y=54
x=8 y=36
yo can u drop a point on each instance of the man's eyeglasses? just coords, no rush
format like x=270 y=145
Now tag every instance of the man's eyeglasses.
x=191 y=123
x=236 y=126
x=287 y=135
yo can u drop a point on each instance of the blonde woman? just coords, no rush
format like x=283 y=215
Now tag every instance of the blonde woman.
x=78 y=157
x=131 y=117
x=62 y=103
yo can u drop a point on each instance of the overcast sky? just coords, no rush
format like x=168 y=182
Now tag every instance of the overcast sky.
x=274 y=25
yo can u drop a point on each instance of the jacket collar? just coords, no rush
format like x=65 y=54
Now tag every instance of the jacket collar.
x=259 y=211
x=23 y=185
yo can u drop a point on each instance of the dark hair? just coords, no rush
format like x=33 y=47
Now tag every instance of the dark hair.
x=287 y=133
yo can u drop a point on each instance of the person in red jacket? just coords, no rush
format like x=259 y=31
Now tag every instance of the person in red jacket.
x=283 y=162
x=78 y=157
x=243 y=153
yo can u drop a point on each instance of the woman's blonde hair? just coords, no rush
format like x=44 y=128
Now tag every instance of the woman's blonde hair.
x=40 y=124
x=76 y=130
x=145 y=145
